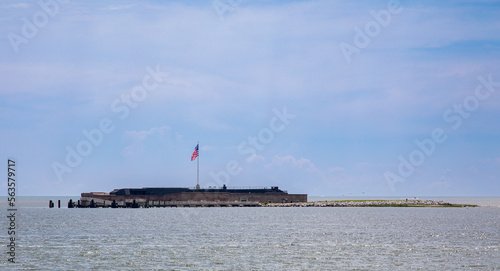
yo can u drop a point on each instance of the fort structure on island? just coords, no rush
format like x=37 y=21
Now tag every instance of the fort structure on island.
x=181 y=196
x=173 y=195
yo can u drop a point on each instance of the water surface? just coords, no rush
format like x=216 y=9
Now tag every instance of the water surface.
x=248 y=238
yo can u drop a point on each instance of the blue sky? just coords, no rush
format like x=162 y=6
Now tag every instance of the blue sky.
x=267 y=88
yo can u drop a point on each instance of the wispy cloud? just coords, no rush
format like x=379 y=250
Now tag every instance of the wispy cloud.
x=18 y=5
x=137 y=138
x=289 y=160
x=120 y=7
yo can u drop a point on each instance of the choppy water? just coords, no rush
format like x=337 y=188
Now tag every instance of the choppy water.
x=255 y=238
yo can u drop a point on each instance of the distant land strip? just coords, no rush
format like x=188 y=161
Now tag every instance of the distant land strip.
x=369 y=203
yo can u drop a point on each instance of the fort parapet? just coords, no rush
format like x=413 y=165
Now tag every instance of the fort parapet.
x=174 y=194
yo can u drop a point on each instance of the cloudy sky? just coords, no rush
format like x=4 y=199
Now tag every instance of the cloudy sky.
x=329 y=98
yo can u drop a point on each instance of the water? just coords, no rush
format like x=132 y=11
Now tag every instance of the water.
x=254 y=238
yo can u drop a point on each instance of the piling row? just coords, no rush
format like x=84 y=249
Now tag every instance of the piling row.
x=98 y=203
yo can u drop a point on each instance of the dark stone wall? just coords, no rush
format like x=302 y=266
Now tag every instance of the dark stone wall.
x=205 y=196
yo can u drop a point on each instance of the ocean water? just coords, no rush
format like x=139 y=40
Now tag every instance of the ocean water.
x=250 y=238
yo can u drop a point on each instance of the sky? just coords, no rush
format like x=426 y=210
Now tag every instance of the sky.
x=328 y=98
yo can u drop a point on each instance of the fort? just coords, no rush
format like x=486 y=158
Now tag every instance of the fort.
x=180 y=196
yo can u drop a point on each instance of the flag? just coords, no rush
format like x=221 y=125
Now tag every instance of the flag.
x=195 y=153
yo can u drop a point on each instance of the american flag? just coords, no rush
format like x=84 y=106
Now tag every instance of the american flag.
x=195 y=153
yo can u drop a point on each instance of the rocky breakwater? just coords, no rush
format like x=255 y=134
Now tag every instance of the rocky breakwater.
x=369 y=203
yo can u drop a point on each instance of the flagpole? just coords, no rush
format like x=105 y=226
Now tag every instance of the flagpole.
x=198 y=170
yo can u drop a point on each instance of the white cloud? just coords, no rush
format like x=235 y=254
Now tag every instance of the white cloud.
x=120 y=7
x=256 y=158
x=163 y=131
x=289 y=160
x=162 y=134
x=439 y=186
x=19 y=5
